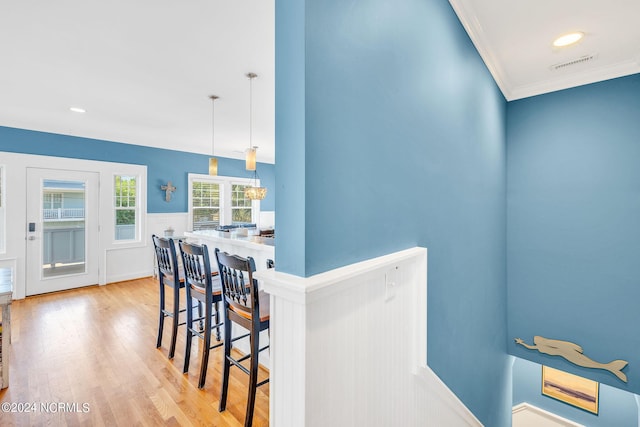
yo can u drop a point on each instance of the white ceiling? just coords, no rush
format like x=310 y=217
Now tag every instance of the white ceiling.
x=515 y=39
x=144 y=69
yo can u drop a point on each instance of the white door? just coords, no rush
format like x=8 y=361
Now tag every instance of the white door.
x=61 y=230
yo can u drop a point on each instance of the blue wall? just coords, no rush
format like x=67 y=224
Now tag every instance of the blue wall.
x=290 y=136
x=402 y=131
x=573 y=209
x=162 y=165
x=617 y=408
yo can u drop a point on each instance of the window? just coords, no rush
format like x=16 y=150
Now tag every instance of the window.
x=241 y=207
x=205 y=197
x=126 y=208
x=217 y=200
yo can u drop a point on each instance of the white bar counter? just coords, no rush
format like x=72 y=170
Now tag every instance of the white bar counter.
x=259 y=248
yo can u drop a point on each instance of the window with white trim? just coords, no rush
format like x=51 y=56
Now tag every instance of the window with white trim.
x=126 y=207
x=241 y=207
x=205 y=206
x=219 y=200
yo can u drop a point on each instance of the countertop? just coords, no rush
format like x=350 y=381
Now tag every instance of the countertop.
x=213 y=234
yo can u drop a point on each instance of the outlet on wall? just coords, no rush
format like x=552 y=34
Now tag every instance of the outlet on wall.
x=390 y=283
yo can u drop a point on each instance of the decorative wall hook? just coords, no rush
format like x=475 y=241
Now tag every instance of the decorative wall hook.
x=573 y=353
x=168 y=189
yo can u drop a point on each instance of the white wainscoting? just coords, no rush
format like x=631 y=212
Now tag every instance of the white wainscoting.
x=349 y=348
x=128 y=263
x=158 y=222
x=527 y=415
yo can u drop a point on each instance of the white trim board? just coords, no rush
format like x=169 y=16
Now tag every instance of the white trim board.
x=527 y=415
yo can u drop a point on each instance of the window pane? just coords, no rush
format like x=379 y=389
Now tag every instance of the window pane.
x=240 y=205
x=241 y=215
x=205 y=218
x=125 y=217
x=237 y=195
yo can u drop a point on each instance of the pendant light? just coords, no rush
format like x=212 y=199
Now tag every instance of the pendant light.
x=250 y=161
x=252 y=192
x=213 y=162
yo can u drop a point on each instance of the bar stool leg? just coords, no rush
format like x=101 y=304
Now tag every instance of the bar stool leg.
x=207 y=344
x=189 y=325
x=174 y=324
x=226 y=365
x=161 y=319
x=253 y=378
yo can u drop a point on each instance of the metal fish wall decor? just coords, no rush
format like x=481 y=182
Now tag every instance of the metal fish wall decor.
x=573 y=353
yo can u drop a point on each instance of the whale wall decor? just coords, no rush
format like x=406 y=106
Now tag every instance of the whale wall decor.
x=573 y=353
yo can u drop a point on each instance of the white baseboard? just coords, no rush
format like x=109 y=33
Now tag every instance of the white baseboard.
x=527 y=415
x=129 y=276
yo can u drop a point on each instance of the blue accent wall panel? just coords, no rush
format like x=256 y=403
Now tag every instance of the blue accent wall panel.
x=573 y=209
x=290 y=136
x=617 y=408
x=404 y=143
x=162 y=165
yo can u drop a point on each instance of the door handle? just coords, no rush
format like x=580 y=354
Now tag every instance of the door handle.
x=32 y=237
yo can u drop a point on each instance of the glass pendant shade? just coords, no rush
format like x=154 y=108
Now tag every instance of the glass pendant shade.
x=213 y=166
x=250 y=161
x=255 y=193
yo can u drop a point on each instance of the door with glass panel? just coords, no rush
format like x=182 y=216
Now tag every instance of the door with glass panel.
x=61 y=230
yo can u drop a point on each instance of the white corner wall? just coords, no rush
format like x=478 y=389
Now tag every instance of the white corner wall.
x=349 y=348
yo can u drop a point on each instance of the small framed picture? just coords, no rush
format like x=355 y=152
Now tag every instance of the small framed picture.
x=571 y=389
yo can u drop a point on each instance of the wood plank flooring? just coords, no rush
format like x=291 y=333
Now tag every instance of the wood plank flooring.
x=92 y=350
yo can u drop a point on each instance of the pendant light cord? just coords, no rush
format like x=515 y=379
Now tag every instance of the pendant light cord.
x=213 y=123
x=251 y=76
x=250 y=112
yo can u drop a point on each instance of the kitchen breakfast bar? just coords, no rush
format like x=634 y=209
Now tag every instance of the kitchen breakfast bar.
x=259 y=248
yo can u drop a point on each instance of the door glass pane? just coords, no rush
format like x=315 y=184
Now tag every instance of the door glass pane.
x=63 y=242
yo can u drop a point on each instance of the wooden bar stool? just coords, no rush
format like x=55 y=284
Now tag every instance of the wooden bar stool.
x=245 y=305
x=168 y=277
x=204 y=286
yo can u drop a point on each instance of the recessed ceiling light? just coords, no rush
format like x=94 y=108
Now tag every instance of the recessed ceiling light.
x=568 y=39
x=77 y=110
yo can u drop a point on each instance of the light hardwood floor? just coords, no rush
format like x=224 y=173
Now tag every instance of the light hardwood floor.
x=93 y=349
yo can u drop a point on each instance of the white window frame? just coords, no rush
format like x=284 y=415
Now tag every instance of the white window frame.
x=225 y=183
x=138 y=214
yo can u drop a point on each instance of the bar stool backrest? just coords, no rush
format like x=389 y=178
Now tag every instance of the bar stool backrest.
x=239 y=288
x=167 y=260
